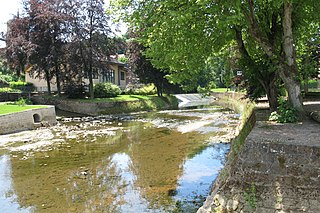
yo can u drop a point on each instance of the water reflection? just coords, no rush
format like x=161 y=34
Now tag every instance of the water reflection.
x=140 y=167
x=8 y=198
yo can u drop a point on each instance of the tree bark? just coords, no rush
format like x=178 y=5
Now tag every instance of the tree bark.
x=288 y=68
x=272 y=94
x=269 y=84
x=47 y=76
x=58 y=80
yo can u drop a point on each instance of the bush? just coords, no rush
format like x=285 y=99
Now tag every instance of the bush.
x=6 y=78
x=106 y=90
x=285 y=112
x=8 y=89
x=21 y=102
x=23 y=86
x=74 y=90
x=141 y=89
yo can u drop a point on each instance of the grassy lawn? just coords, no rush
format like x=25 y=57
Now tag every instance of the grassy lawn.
x=219 y=90
x=5 y=109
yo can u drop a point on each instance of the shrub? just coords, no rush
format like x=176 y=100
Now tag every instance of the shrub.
x=22 y=102
x=285 y=112
x=8 y=89
x=6 y=78
x=74 y=90
x=106 y=90
x=23 y=86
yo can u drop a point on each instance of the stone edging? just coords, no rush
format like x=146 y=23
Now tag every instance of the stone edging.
x=245 y=107
x=27 y=120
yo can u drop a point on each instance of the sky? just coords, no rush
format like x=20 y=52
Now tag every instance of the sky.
x=9 y=8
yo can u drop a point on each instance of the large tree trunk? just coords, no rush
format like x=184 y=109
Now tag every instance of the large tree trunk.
x=47 y=76
x=269 y=84
x=272 y=94
x=58 y=80
x=288 y=68
x=91 y=91
x=271 y=90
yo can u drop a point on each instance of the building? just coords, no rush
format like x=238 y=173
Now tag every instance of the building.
x=116 y=73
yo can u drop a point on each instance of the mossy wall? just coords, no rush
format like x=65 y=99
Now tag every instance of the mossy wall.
x=244 y=107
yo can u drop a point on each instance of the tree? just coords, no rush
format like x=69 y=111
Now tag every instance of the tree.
x=181 y=35
x=143 y=68
x=61 y=39
x=46 y=38
x=90 y=34
x=17 y=41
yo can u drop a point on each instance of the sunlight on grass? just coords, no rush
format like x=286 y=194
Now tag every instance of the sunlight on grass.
x=219 y=90
x=6 y=109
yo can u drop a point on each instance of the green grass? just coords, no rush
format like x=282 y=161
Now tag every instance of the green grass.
x=6 y=109
x=219 y=90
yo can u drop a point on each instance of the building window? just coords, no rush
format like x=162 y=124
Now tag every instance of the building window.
x=94 y=74
x=122 y=76
x=108 y=76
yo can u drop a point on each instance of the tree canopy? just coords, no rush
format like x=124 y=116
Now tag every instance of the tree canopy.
x=61 y=39
x=182 y=35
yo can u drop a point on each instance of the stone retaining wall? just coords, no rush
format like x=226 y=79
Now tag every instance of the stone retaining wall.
x=276 y=169
x=270 y=177
x=27 y=120
x=98 y=108
x=80 y=107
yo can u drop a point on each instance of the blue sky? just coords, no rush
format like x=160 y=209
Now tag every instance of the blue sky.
x=9 y=8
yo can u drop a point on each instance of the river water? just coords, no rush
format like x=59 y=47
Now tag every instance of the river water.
x=146 y=162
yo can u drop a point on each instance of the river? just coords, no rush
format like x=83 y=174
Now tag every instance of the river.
x=144 y=162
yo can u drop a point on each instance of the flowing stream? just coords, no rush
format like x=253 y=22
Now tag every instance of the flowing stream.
x=145 y=162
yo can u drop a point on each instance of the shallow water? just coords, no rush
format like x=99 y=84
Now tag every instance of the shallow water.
x=154 y=162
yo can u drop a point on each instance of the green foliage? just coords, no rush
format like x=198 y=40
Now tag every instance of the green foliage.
x=23 y=86
x=8 y=89
x=6 y=78
x=6 y=74
x=73 y=90
x=181 y=36
x=251 y=197
x=205 y=91
x=285 y=112
x=22 y=102
x=106 y=90
x=313 y=83
x=123 y=60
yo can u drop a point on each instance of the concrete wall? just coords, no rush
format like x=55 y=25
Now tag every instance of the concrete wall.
x=26 y=120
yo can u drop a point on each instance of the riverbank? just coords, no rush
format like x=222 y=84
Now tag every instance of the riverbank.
x=94 y=108
x=277 y=169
